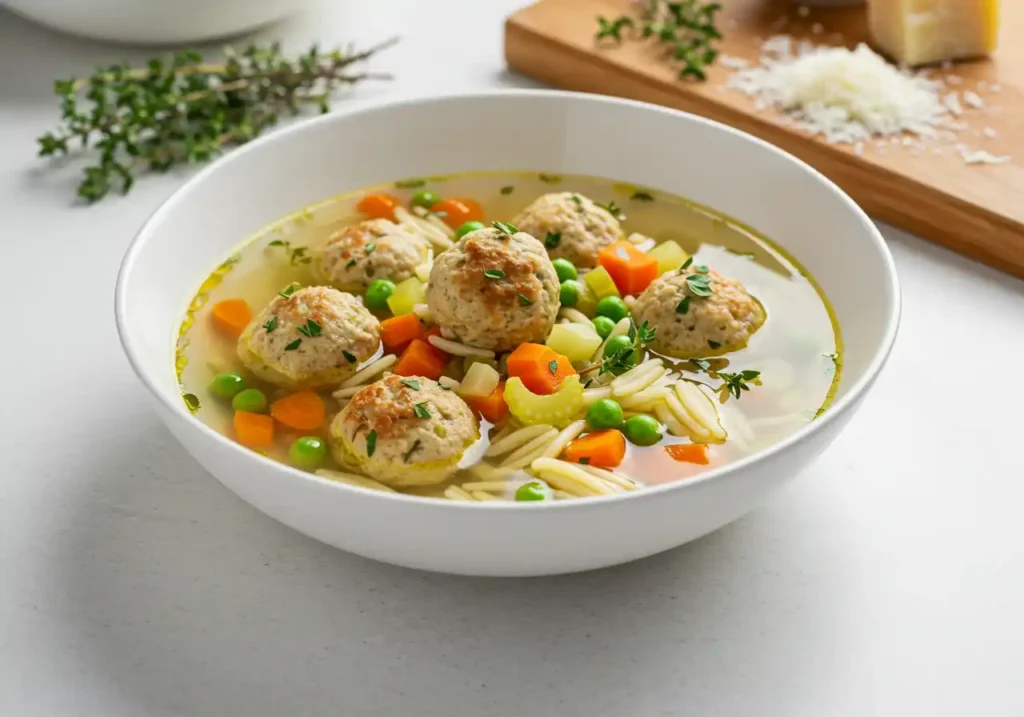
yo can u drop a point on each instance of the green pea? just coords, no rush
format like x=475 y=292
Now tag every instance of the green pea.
x=569 y=294
x=616 y=344
x=565 y=269
x=227 y=385
x=467 y=228
x=378 y=292
x=308 y=453
x=605 y=413
x=250 y=400
x=425 y=198
x=530 y=491
x=642 y=430
x=604 y=326
x=613 y=307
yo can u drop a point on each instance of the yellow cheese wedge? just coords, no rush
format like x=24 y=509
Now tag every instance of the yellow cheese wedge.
x=921 y=32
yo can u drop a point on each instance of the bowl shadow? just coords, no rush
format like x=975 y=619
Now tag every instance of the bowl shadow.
x=188 y=601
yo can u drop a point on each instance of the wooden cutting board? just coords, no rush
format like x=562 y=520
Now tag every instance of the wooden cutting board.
x=977 y=210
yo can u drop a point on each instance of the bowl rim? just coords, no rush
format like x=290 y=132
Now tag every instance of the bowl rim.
x=841 y=406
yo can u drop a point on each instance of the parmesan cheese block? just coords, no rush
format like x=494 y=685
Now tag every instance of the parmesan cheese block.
x=921 y=32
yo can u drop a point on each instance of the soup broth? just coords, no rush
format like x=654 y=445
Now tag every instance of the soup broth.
x=780 y=378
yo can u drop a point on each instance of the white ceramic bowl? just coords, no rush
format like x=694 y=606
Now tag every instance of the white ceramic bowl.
x=155 y=21
x=527 y=130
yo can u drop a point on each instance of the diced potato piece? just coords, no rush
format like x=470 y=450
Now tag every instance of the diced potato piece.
x=406 y=295
x=670 y=256
x=480 y=380
x=588 y=299
x=601 y=283
x=577 y=342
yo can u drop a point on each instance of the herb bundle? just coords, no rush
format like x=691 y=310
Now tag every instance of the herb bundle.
x=686 y=30
x=184 y=111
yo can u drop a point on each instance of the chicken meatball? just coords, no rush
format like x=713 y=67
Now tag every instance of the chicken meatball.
x=404 y=431
x=571 y=226
x=689 y=325
x=494 y=290
x=374 y=249
x=315 y=337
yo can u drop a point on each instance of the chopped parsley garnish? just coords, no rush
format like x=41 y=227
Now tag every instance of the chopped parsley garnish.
x=414 y=183
x=412 y=383
x=642 y=197
x=350 y=264
x=699 y=284
x=408 y=453
x=298 y=255
x=612 y=208
x=683 y=307
x=549 y=178
x=311 y=329
x=736 y=383
x=293 y=345
x=612 y=29
x=191 y=401
x=271 y=325
x=700 y=365
x=507 y=189
x=278 y=242
x=524 y=301
x=552 y=240
x=350 y=357
x=585 y=460
x=370 y=247
x=494 y=274
x=714 y=344
x=286 y=292
x=686 y=265
x=505 y=228
x=579 y=201
x=421 y=410
x=553 y=366
x=371 y=443
x=700 y=269
x=445 y=387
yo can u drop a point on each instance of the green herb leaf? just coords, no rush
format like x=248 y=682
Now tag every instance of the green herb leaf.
x=370 y=247
x=686 y=265
x=699 y=284
x=350 y=264
x=350 y=357
x=505 y=228
x=278 y=242
x=552 y=240
x=494 y=274
x=271 y=324
x=553 y=366
x=415 y=447
x=549 y=178
x=191 y=401
x=410 y=183
x=735 y=383
x=714 y=345
x=507 y=189
x=585 y=460
x=579 y=201
x=444 y=387
x=371 y=443
x=700 y=365
x=286 y=292
x=642 y=197
x=412 y=383
x=612 y=208
x=700 y=269
x=293 y=345
x=311 y=329
x=683 y=307
x=421 y=410
x=524 y=301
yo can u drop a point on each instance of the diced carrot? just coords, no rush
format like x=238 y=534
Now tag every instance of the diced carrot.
x=254 y=430
x=689 y=453
x=604 y=449
x=539 y=368
x=303 y=411
x=457 y=212
x=399 y=331
x=492 y=406
x=378 y=206
x=231 y=316
x=631 y=269
x=420 y=359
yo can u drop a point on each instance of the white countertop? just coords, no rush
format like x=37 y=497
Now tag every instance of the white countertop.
x=887 y=580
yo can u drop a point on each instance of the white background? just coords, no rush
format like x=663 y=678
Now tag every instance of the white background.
x=887 y=580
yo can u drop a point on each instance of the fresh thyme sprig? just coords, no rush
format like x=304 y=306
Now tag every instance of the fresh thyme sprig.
x=686 y=29
x=184 y=111
x=625 y=357
x=736 y=383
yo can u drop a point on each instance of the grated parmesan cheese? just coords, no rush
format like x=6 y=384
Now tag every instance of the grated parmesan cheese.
x=972 y=99
x=981 y=157
x=845 y=96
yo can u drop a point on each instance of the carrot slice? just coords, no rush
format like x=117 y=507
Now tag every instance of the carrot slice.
x=399 y=331
x=303 y=411
x=378 y=206
x=605 y=449
x=689 y=453
x=457 y=212
x=539 y=368
x=231 y=316
x=254 y=430
x=492 y=406
x=630 y=269
x=420 y=359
